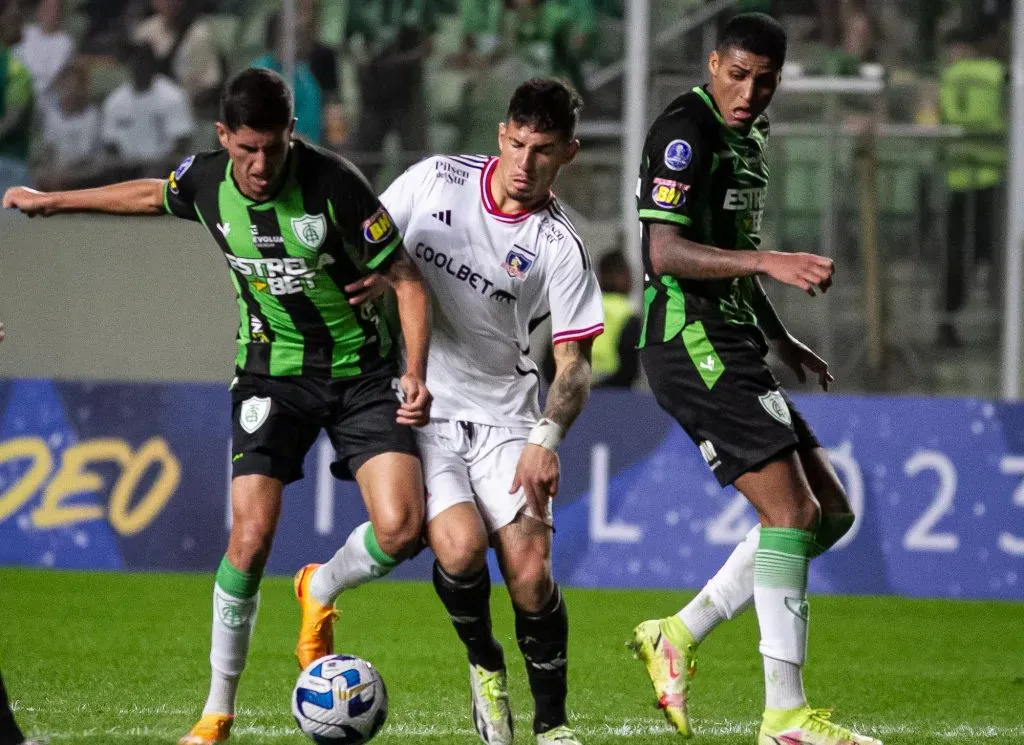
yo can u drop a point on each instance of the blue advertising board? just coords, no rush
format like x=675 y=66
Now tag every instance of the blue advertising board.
x=135 y=477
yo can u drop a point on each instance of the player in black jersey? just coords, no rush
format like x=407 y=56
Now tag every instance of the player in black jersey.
x=701 y=196
x=299 y=228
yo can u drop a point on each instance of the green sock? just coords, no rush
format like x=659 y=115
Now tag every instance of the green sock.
x=830 y=530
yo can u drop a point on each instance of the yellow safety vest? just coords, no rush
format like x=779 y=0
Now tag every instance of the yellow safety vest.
x=605 y=354
x=971 y=96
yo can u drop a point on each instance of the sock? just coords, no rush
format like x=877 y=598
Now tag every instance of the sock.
x=467 y=598
x=780 y=597
x=543 y=639
x=9 y=732
x=236 y=600
x=727 y=594
x=356 y=563
x=830 y=530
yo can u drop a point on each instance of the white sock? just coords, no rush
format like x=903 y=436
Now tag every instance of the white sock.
x=727 y=594
x=780 y=597
x=783 y=685
x=233 y=622
x=356 y=563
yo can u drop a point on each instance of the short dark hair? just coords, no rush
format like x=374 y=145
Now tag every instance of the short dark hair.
x=546 y=105
x=757 y=33
x=256 y=98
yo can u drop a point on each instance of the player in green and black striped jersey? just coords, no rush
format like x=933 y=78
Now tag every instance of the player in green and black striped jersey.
x=301 y=231
x=701 y=195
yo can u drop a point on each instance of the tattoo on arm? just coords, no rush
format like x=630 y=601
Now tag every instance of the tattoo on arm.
x=571 y=387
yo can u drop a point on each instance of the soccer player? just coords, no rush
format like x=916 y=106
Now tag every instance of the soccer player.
x=10 y=734
x=701 y=196
x=297 y=225
x=500 y=255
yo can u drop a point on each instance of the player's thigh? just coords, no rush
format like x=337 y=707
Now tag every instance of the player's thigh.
x=715 y=382
x=523 y=550
x=255 y=511
x=492 y=468
x=455 y=530
x=274 y=423
x=780 y=492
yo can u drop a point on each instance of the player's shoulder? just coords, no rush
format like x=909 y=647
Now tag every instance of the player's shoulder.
x=321 y=165
x=201 y=167
x=688 y=111
x=559 y=238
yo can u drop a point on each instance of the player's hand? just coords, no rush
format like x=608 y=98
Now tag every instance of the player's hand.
x=537 y=474
x=366 y=289
x=806 y=271
x=2 y=332
x=29 y=201
x=415 y=407
x=796 y=356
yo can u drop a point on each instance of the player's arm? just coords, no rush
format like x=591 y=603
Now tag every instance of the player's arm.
x=791 y=351
x=571 y=386
x=414 y=316
x=138 y=197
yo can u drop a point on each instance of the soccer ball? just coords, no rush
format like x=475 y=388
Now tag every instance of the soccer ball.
x=340 y=700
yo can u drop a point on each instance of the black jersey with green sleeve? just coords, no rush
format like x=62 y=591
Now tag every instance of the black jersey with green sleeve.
x=710 y=181
x=290 y=258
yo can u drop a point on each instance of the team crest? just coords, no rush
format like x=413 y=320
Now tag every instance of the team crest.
x=678 y=154
x=518 y=262
x=172 y=180
x=311 y=230
x=254 y=413
x=776 y=406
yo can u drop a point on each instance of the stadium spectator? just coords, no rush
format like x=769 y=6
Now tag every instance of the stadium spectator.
x=71 y=132
x=45 y=49
x=396 y=39
x=186 y=51
x=972 y=90
x=307 y=91
x=16 y=100
x=147 y=121
x=555 y=35
x=616 y=363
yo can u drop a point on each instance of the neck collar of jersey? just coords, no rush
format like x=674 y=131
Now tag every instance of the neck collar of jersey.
x=730 y=132
x=276 y=194
x=492 y=209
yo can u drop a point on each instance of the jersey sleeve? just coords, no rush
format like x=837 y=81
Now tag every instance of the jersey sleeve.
x=400 y=197
x=363 y=221
x=574 y=296
x=181 y=187
x=676 y=161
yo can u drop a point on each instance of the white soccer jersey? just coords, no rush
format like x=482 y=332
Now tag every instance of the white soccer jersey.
x=493 y=276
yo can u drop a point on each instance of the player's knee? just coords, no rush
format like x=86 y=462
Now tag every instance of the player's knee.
x=462 y=554
x=249 y=546
x=398 y=533
x=802 y=514
x=530 y=584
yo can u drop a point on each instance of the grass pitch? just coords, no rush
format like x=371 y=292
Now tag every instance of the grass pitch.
x=122 y=658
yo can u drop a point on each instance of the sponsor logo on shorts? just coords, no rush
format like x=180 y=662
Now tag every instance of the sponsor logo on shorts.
x=518 y=262
x=678 y=155
x=710 y=455
x=254 y=413
x=379 y=227
x=777 y=408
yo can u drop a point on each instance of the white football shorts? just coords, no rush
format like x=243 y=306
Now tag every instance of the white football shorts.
x=470 y=462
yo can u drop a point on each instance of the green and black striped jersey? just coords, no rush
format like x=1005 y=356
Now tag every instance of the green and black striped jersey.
x=711 y=181
x=290 y=258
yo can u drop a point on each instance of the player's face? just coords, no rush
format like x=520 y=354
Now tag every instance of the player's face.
x=258 y=159
x=529 y=161
x=742 y=84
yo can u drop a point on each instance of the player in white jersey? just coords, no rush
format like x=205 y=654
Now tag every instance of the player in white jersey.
x=499 y=256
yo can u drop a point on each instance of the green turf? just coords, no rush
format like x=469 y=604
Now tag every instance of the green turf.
x=119 y=658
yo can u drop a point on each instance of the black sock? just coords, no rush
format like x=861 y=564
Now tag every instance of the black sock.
x=9 y=732
x=468 y=602
x=543 y=638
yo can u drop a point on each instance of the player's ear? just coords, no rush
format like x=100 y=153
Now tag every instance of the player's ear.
x=502 y=129
x=572 y=149
x=713 y=62
x=222 y=135
x=291 y=126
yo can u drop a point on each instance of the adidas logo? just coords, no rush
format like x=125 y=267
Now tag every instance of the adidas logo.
x=444 y=216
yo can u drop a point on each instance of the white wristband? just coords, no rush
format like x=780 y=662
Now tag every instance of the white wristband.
x=546 y=433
